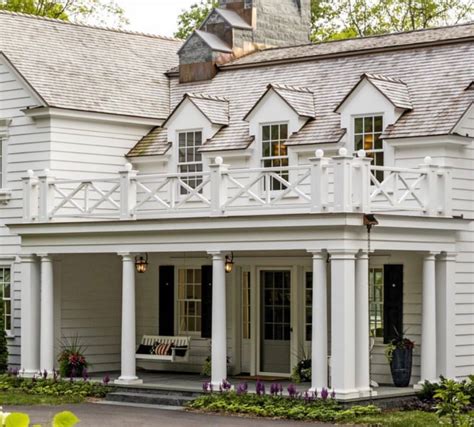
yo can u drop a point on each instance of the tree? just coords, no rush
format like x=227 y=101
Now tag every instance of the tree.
x=98 y=12
x=341 y=19
x=192 y=18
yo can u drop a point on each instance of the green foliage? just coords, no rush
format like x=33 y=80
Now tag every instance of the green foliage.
x=17 y=419
x=430 y=390
x=52 y=387
x=280 y=407
x=72 y=361
x=302 y=371
x=342 y=19
x=65 y=419
x=190 y=19
x=3 y=341
x=452 y=402
x=101 y=12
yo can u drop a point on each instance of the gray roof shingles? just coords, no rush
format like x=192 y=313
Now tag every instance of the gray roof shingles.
x=154 y=144
x=92 y=69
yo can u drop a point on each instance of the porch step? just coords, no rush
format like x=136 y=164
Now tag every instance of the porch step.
x=161 y=398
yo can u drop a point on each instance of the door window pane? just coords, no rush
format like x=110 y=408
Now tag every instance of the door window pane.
x=376 y=298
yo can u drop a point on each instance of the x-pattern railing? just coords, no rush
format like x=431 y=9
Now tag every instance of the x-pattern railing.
x=259 y=186
x=398 y=188
x=164 y=191
x=86 y=197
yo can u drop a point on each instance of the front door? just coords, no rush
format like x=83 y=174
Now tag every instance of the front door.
x=275 y=321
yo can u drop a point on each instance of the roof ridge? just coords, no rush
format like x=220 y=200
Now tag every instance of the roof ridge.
x=288 y=87
x=383 y=78
x=342 y=41
x=95 y=27
x=206 y=96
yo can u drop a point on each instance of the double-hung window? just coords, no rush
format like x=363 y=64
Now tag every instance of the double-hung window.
x=275 y=153
x=190 y=159
x=189 y=301
x=367 y=136
x=5 y=290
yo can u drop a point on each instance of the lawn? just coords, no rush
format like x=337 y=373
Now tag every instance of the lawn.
x=20 y=398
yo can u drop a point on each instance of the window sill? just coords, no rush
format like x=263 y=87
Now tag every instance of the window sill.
x=10 y=336
x=5 y=196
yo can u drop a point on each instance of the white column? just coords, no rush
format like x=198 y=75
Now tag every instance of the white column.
x=343 y=323
x=219 y=333
x=362 y=352
x=47 y=315
x=428 y=320
x=30 y=315
x=128 y=363
x=319 y=331
x=445 y=314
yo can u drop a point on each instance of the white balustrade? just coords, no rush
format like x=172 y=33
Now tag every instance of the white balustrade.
x=339 y=184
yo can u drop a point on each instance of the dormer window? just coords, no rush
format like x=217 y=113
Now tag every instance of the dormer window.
x=274 y=152
x=367 y=136
x=190 y=159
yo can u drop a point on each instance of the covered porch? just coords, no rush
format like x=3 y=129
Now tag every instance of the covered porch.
x=319 y=264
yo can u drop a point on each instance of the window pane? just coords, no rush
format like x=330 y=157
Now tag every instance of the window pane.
x=266 y=133
x=368 y=142
x=284 y=132
x=358 y=125
x=189 y=300
x=358 y=142
x=275 y=132
x=378 y=142
x=368 y=124
x=378 y=124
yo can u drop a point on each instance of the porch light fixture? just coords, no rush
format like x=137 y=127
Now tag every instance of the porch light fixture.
x=229 y=263
x=141 y=263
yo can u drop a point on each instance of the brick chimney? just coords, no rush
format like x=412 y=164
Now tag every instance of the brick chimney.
x=239 y=27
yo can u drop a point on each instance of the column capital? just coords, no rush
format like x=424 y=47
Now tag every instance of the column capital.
x=430 y=256
x=318 y=253
x=362 y=255
x=217 y=255
x=45 y=257
x=126 y=256
x=343 y=253
x=27 y=258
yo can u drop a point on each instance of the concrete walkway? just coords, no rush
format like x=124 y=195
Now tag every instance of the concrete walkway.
x=98 y=415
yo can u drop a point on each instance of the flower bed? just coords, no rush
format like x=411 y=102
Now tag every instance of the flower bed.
x=45 y=385
x=295 y=406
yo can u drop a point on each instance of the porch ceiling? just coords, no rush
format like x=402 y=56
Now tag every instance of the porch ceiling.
x=247 y=233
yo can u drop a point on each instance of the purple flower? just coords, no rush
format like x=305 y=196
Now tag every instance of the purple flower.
x=333 y=394
x=85 y=374
x=55 y=375
x=260 y=388
x=315 y=394
x=308 y=396
x=242 y=388
x=207 y=387
x=106 y=380
x=33 y=380
x=324 y=393
x=226 y=385
x=292 y=391
x=276 y=389
x=45 y=374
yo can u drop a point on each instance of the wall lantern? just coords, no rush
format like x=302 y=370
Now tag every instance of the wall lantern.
x=229 y=263
x=141 y=263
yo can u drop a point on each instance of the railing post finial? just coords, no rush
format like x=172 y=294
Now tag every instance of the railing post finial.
x=30 y=196
x=46 y=195
x=218 y=186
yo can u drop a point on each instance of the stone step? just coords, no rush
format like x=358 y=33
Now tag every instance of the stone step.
x=149 y=398
x=157 y=390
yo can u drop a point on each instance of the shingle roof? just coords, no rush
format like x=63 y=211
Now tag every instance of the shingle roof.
x=395 y=90
x=216 y=109
x=436 y=77
x=300 y=99
x=356 y=45
x=214 y=42
x=154 y=144
x=87 y=68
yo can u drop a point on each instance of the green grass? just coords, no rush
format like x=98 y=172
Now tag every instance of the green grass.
x=398 y=419
x=18 y=398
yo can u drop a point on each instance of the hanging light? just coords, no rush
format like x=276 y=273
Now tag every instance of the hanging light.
x=141 y=263
x=229 y=263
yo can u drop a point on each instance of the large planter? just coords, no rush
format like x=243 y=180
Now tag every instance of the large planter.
x=401 y=365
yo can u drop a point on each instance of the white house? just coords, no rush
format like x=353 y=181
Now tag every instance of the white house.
x=243 y=144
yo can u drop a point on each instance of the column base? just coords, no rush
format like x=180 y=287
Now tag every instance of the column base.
x=128 y=381
x=419 y=385
x=28 y=373
x=317 y=390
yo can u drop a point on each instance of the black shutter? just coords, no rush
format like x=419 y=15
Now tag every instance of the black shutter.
x=166 y=306
x=393 y=301
x=206 y=303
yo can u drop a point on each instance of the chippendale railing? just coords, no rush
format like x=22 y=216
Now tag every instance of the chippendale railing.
x=339 y=184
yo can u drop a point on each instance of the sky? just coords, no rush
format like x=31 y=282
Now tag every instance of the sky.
x=154 y=16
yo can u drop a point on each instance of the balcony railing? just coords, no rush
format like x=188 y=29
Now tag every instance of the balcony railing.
x=339 y=184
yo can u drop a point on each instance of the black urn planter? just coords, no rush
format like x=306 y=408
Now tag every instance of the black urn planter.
x=401 y=365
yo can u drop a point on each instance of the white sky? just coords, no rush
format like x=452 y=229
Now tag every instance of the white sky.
x=154 y=16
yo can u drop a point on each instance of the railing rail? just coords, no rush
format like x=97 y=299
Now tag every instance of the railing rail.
x=338 y=184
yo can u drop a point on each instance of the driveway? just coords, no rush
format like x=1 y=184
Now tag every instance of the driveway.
x=99 y=415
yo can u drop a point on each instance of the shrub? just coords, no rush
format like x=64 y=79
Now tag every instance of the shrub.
x=72 y=361
x=3 y=341
x=452 y=402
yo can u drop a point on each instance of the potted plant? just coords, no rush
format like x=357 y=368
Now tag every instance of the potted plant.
x=399 y=352
x=72 y=361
